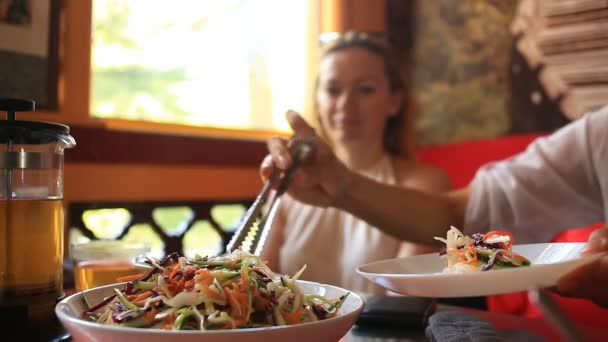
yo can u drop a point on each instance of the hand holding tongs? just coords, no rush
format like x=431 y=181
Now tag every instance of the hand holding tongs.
x=253 y=228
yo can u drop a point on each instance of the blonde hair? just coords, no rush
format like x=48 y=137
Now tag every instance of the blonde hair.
x=395 y=143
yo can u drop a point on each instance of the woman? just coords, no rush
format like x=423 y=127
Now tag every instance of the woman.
x=359 y=99
x=559 y=182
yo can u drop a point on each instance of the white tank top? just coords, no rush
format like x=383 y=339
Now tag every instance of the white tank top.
x=333 y=243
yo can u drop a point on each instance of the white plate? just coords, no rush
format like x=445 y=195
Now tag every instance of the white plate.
x=421 y=275
x=69 y=310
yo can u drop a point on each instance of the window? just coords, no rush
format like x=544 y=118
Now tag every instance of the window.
x=237 y=64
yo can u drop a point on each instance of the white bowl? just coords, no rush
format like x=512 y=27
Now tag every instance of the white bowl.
x=69 y=310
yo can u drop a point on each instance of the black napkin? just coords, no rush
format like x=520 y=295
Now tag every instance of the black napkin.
x=452 y=326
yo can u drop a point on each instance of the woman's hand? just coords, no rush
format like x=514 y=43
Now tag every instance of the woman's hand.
x=589 y=281
x=322 y=178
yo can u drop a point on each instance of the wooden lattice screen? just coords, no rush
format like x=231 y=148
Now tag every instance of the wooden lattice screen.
x=142 y=213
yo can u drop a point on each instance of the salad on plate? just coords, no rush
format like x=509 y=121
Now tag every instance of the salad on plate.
x=231 y=291
x=480 y=252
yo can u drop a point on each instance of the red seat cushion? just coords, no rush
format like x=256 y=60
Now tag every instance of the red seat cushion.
x=461 y=160
x=581 y=311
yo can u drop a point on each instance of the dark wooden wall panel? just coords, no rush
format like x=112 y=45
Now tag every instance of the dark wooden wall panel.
x=99 y=145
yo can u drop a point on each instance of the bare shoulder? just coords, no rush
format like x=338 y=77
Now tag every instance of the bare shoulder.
x=420 y=176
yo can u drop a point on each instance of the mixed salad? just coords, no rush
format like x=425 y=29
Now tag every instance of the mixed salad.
x=480 y=252
x=232 y=291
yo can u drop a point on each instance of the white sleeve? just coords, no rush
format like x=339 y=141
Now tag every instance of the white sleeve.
x=552 y=186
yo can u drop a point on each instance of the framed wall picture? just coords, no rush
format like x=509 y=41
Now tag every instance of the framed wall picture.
x=29 y=34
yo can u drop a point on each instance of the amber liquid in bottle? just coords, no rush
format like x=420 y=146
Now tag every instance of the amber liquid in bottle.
x=31 y=260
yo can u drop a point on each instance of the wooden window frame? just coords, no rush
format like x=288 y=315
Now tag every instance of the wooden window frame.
x=118 y=160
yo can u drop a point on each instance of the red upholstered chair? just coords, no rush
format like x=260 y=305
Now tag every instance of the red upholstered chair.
x=581 y=311
x=461 y=161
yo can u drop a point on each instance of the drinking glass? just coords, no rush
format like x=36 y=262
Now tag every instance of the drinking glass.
x=103 y=262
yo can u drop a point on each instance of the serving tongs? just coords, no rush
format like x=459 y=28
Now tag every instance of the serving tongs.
x=557 y=318
x=253 y=228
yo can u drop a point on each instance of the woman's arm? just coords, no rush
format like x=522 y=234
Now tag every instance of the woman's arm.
x=408 y=214
x=427 y=179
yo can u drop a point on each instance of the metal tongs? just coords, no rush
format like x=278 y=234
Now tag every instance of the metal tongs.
x=253 y=228
x=556 y=317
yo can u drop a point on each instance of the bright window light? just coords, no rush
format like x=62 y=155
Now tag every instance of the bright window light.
x=230 y=63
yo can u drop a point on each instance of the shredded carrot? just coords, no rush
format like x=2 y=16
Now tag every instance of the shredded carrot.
x=294 y=317
x=129 y=277
x=212 y=293
x=174 y=271
x=471 y=250
x=140 y=303
x=149 y=315
x=234 y=303
x=132 y=297
x=202 y=272
x=244 y=300
x=466 y=255
x=244 y=280
x=143 y=296
x=259 y=302
x=206 y=281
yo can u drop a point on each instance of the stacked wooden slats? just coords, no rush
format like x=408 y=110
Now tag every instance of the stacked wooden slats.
x=574 y=43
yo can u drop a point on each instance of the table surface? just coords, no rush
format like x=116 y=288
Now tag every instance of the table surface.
x=499 y=321
x=397 y=334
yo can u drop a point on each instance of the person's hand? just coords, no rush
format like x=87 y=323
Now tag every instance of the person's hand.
x=589 y=281
x=322 y=178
